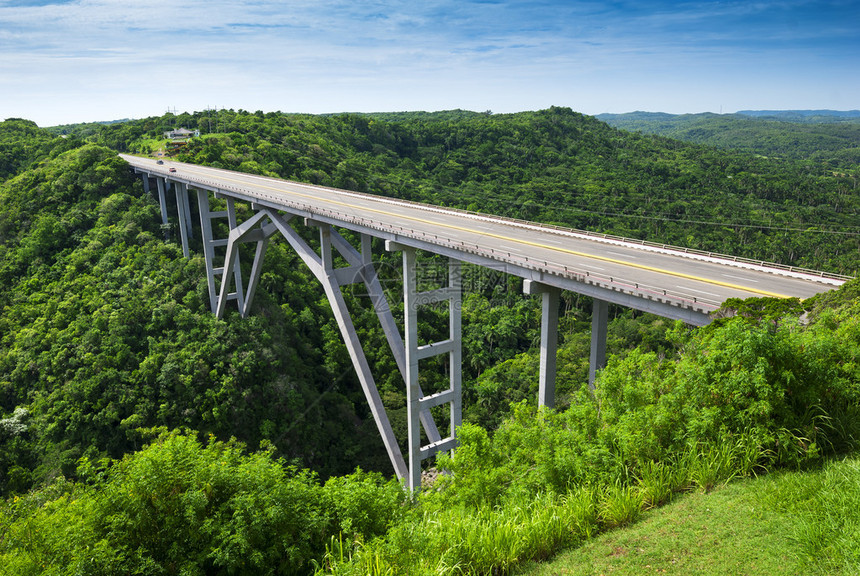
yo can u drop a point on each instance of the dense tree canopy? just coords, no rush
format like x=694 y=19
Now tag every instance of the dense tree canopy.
x=106 y=330
x=833 y=140
x=553 y=166
x=114 y=373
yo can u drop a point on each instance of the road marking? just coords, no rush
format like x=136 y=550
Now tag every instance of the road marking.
x=740 y=278
x=492 y=235
x=594 y=267
x=697 y=291
x=622 y=255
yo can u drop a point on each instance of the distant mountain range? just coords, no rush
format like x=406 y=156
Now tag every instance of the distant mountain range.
x=818 y=135
x=802 y=115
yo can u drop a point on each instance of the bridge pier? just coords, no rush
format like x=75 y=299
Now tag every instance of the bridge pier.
x=239 y=234
x=416 y=402
x=407 y=352
x=218 y=294
x=549 y=339
x=161 y=184
x=184 y=209
x=599 y=324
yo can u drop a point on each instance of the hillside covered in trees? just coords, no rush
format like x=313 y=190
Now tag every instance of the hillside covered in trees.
x=820 y=136
x=553 y=166
x=113 y=372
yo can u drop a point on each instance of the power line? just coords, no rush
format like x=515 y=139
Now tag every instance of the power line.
x=723 y=224
x=669 y=219
x=332 y=163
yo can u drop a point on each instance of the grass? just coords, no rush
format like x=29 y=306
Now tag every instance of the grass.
x=827 y=508
x=802 y=523
x=154 y=144
x=786 y=523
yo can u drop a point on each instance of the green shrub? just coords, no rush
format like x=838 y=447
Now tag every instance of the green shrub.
x=657 y=481
x=187 y=507
x=764 y=380
x=42 y=533
x=791 y=393
x=640 y=407
x=620 y=504
x=478 y=475
x=365 y=505
x=176 y=507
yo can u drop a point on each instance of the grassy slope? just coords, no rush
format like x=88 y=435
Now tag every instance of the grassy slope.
x=788 y=523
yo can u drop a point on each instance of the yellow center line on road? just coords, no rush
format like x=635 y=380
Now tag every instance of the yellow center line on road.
x=511 y=239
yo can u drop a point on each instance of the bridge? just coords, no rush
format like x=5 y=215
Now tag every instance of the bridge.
x=675 y=283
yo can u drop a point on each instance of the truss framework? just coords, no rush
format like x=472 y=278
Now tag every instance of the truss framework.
x=225 y=282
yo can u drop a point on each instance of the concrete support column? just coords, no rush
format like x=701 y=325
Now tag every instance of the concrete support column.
x=208 y=247
x=184 y=216
x=548 y=340
x=162 y=202
x=455 y=331
x=185 y=200
x=548 y=347
x=413 y=393
x=599 y=322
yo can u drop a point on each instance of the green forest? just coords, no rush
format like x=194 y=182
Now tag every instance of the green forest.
x=141 y=435
x=828 y=138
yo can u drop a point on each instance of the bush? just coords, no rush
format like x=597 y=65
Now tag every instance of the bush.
x=365 y=505
x=177 y=507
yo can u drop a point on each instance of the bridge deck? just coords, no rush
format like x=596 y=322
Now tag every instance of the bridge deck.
x=660 y=279
x=663 y=280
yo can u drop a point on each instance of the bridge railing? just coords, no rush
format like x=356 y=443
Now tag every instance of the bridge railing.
x=602 y=236
x=567 y=230
x=613 y=283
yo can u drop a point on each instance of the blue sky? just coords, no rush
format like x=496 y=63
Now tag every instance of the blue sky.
x=86 y=60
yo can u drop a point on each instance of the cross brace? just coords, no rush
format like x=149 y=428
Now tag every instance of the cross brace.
x=406 y=349
x=260 y=227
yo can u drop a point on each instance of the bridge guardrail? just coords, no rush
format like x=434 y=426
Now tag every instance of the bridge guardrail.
x=596 y=235
x=614 y=283
x=604 y=236
x=610 y=282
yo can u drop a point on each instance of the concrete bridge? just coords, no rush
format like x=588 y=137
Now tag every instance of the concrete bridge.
x=672 y=282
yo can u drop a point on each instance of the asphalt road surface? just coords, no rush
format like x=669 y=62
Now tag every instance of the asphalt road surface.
x=707 y=280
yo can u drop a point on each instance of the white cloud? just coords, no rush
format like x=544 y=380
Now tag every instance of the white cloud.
x=103 y=59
